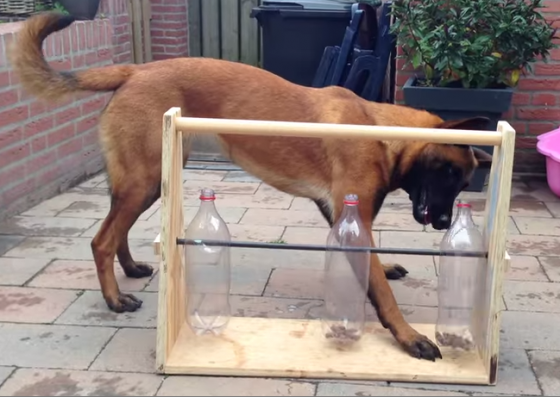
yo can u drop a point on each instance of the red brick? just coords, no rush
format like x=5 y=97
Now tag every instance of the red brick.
x=37 y=108
x=157 y=9
x=544 y=99
x=62 y=65
x=104 y=55
x=11 y=174
x=555 y=54
x=38 y=143
x=40 y=162
x=86 y=124
x=91 y=58
x=521 y=98
x=38 y=126
x=10 y=135
x=525 y=142
x=71 y=147
x=538 y=114
x=509 y=114
x=547 y=69
x=534 y=84
x=78 y=61
x=67 y=115
x=14 y=115
x=92 y=106
x=537 y=128
x=81 y=36
x=14 y=79
x=8 y=98
x=66 y=42
x=4 y=79
x=60 y=135
x=14 y=153
x=519 y=127
x=19 y=190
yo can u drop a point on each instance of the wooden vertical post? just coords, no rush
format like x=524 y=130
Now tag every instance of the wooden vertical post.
x=488 y=304
x=172 y=294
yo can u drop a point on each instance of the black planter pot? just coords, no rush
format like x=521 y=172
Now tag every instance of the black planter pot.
x=458 y=103
x=81 y=9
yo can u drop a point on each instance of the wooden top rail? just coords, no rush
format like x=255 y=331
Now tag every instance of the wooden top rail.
x=326 y=130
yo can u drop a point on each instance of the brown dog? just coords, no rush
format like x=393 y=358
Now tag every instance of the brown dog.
x=323 y=170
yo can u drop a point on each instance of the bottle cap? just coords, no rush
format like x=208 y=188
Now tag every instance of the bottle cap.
x=351 y=199
x=207 y=195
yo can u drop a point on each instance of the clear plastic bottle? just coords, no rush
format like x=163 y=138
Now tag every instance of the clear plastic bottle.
x=207 y=270
x=346 y=277
x=457 y=281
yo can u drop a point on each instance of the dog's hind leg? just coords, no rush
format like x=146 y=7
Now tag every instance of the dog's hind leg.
x=128 y=200
x=130 y=267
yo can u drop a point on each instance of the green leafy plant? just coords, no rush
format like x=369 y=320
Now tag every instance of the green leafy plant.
x=472 y=43
x=41 y=6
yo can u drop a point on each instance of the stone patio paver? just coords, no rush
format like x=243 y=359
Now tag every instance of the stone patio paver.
x=35 y=382
x=5 y=372
x=33 y=305
x=85 y=349
x=82 y=275
x=547 y=368
x=91 y=309
x=130 y=350
x=17 y=271
x=51 y=346
x=222 y=386
x=551 y=266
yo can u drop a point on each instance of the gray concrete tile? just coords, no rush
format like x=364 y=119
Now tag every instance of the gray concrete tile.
x=233 y=386
x=91 y=309
x=526 y=330
x=9 y=242
x=17 y=271
x=82 y=275
x=45 y=226
x=37 y=382
x=547 y=368
x=515 y=376
x=240 y=176
x=551 y=267
x=51 y=346
x=350 y=389
x=532 y=296
x=130 y=350
x=5 y=372
x=33 y=305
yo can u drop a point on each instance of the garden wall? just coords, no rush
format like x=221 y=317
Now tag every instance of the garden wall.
x=45 y=148
x=536 y=103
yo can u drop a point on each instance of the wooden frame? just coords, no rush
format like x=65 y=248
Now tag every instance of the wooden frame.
x=274 y=347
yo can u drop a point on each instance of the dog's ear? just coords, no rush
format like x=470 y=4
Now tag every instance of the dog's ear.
x=473 y=123
x=484 y=159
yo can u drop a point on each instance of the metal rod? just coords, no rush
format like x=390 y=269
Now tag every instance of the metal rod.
x=309 y=247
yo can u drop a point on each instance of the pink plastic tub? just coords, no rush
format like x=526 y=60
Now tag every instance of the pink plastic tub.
x=549 y=145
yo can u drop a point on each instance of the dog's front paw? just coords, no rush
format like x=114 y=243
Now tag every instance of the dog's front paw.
x=419 y=346
x=124 y=303
x=394 y=271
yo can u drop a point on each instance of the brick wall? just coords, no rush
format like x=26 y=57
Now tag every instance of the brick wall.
x=535 y=107
x=46 y=148
x=169 y=29
x=119 y=15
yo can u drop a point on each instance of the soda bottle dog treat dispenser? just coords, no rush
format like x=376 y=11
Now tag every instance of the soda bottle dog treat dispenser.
x=207 y=269
x=457 y=281
x=346 y=276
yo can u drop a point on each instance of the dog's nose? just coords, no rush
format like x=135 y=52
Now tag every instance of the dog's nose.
x=444 y=218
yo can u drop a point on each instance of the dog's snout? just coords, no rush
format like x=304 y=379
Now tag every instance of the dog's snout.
x=444 y=218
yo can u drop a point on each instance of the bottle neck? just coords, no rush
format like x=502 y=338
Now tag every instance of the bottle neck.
x=349 y=211
x=464 y=216
x=207 y=205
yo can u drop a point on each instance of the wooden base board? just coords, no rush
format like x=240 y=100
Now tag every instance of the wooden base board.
x=270 y=347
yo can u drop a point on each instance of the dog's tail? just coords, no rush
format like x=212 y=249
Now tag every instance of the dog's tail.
x=39 y=79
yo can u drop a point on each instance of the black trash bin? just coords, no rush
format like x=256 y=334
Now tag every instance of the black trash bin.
x=295 y=34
